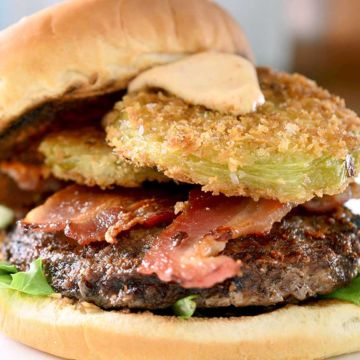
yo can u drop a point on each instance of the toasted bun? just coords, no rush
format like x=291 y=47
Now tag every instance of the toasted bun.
x=83 y=331
x=85 y=48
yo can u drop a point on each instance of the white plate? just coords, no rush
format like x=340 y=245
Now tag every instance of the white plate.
x=11 y=350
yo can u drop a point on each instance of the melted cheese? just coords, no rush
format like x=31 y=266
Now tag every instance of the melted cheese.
x=223 y=82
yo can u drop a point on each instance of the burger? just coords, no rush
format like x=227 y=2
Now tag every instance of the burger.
x=163 y=198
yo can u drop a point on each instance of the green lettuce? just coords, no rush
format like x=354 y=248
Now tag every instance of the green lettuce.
x=185 y=307
x=6 y=269
x=31 y=282
x=6 y=217
x=350 y=293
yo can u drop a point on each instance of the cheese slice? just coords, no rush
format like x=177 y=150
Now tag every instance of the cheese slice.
x=222 y=82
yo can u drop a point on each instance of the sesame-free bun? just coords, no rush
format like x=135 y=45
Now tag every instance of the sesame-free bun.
x=83 y=331
x=83 y=48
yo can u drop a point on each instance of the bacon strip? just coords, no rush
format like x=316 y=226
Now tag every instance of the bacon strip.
x=29 y=177
x=329 y=203
x=187 y=251
x=89 y=214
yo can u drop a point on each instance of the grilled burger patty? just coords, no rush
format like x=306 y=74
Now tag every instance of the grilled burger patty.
x=304 y=255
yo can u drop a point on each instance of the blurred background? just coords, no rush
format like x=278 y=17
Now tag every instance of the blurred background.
x=319 y=38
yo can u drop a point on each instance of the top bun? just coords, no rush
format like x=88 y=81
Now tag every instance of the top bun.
x=86 y=48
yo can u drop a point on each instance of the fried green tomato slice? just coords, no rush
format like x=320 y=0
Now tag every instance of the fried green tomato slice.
x=301 y=143
x=84 y=157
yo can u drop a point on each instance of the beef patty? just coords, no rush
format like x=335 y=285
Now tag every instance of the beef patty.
x=303 y=256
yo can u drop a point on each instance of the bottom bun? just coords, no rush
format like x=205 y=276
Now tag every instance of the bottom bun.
x=83 y=331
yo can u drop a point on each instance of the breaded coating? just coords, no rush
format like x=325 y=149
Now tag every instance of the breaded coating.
x=84 y=157
x=301 y=143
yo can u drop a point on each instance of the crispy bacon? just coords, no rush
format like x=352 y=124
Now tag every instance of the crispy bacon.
x=29 y=177
x=329 y=203
x=90 y=214
x=187 y=251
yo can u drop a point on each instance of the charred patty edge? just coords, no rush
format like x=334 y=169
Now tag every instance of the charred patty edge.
x=303 y=256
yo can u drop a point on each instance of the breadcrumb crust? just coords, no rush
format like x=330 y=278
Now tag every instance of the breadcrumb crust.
x=84 y=157
x=298 y=122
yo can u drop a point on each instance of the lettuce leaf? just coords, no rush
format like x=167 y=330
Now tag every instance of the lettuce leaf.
x=31 y=282
x=5 y=280
x=7 y=269
x=6 y=217
x=185 y=307
x=351 y=293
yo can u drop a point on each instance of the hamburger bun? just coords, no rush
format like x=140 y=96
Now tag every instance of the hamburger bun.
x=88 y=48
x=83 y=331
x=81 y=49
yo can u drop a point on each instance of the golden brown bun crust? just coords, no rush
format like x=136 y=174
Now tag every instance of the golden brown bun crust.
x=81 y=48
x=61 y=328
